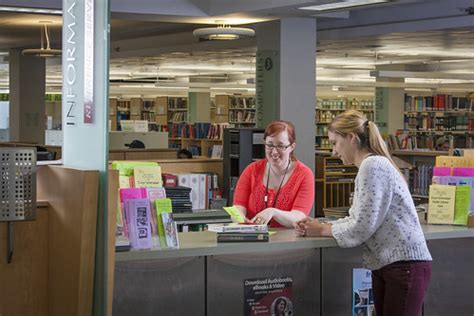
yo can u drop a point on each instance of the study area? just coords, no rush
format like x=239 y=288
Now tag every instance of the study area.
x=106 y=109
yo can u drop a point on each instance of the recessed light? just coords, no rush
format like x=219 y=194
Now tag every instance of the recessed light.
x=342 y=5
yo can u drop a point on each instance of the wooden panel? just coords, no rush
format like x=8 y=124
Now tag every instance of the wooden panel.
x=137 y=155
x=24 y=282
x=116 y=156
x=73 y=197
x=112 y=202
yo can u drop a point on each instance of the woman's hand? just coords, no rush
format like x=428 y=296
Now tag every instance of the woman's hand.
x=264 y=217
x=310 y=227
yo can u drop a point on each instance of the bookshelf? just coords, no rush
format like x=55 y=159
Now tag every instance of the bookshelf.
x=338 y=182
x=198 y=138
x=242 y=111
x=153 y=110
x=328 y=109
x=426 y=118
x=220 y=113
x=177 y=109
x=241 y=147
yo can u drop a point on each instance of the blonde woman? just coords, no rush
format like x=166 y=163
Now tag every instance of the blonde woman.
x=382 y=218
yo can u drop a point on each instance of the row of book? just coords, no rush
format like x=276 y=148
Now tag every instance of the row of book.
x=439 y=102
x=242 y=102
x=238 y=116
x=177 y=103
x=434 y=122
x=197 y=130
x=420 y=179
x=177 y=117
x=204 y=187
x=148 y=116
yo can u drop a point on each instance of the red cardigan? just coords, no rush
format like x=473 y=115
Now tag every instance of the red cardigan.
x=296 y=194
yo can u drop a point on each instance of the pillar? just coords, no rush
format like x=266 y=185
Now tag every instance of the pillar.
x=286 y=79
x=27 y=94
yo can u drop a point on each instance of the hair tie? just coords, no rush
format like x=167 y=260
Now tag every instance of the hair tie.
x=366 y=133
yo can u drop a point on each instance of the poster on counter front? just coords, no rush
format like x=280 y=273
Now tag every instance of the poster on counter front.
x=362 y=293
x=272 y=296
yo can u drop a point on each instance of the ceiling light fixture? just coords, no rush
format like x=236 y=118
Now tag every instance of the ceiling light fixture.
x=342 y=5
x=43 y=51
x=31 y=10
x=223 y=32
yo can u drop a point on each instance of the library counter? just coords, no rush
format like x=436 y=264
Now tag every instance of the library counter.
x=210 y=277
x=204 y=243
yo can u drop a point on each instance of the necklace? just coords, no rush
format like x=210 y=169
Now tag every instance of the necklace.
x=279 y=187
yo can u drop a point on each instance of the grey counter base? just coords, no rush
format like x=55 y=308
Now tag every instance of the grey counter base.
x=212 y=284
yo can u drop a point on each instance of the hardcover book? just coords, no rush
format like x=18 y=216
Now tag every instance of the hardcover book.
x=237 y=228
x=242 y=237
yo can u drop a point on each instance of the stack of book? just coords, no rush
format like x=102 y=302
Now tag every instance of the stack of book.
x=240 y=232
x=180 y=199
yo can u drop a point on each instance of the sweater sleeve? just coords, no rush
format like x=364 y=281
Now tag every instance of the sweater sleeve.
x=371 y=203
x=244 y=187
x=305 y=195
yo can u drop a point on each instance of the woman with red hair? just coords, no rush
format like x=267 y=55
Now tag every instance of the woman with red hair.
x=277 y=190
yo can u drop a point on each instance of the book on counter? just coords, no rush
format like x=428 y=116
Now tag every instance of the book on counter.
x=237 y=228
x=242 y=237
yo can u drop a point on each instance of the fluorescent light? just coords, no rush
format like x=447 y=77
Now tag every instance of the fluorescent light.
x=31 y=10
x=342 y=5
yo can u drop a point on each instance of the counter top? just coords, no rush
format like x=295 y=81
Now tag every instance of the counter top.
x=195 y=244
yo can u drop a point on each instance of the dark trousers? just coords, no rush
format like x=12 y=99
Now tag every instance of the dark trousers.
x=399 y=288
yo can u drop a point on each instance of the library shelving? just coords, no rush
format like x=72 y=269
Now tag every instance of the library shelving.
x=153 y=110
x=177 y=109
x=426 y=118
x=242 y=111
x=242 y=146
x=220 y=111
x=199 y=138
x=337 y=181
x=328 y=109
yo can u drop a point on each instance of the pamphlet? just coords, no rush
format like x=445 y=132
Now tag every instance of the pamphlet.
x=234 y=213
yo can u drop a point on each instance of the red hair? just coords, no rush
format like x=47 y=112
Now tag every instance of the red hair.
x=277 y=127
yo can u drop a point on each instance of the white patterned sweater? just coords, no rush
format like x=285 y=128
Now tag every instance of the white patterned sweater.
x=382 y=217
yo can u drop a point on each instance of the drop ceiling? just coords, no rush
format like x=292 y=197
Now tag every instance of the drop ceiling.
x=157 y=55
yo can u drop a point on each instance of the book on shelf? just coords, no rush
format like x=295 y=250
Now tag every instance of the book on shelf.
x=216 y=151
x=243 y=237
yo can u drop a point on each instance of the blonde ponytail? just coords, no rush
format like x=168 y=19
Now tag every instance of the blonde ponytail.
x=352 y=121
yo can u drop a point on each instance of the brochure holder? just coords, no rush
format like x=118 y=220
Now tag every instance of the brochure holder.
x=17 y=189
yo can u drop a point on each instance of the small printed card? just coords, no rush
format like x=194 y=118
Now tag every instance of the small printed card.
x=235 y=214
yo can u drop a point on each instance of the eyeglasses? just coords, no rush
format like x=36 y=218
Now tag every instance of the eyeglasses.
x=278 y=147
